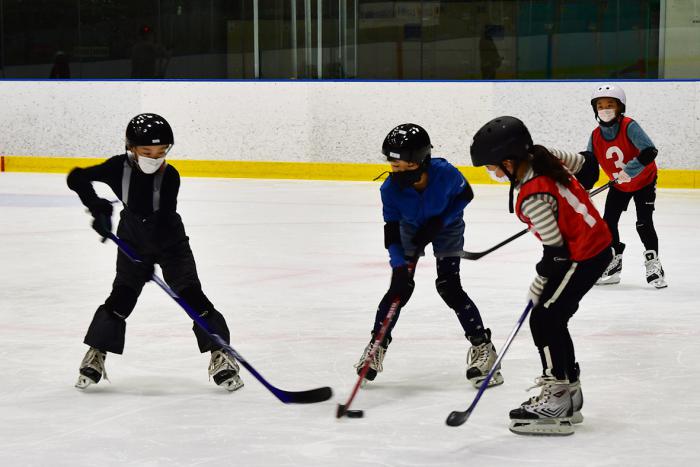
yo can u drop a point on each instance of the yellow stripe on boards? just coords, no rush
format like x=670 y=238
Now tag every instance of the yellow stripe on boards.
x=223 y=169
x=47 y=164
x=668 y=178
x=279 y=170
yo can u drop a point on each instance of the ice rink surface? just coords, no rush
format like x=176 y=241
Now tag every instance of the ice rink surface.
x=297 y=268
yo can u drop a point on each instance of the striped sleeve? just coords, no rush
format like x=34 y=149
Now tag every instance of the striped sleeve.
x=573 y=161
x=541 y=209
x=537 y=285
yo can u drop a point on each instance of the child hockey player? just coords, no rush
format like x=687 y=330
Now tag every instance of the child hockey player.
x=423 y=201
x=576 y=250
x=149 y=223
x=627 y=155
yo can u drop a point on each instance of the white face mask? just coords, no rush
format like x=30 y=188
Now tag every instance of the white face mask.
x=496 y=178
x=606 y=115
x=150 y=166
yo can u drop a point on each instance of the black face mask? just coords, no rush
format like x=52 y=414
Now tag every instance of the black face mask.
x=406 y=178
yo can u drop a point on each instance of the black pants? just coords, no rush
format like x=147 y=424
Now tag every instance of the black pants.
x=449 y=287
x=616 y=203
x=558 y=303
x=108 y=327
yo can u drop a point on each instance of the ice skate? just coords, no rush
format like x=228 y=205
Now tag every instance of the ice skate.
x=480 y=360
x=612 y=273
x=376 y=364
x=92 y=368
x=225 y=370
x=576 y=402
x=548 y=414
x=655 y=273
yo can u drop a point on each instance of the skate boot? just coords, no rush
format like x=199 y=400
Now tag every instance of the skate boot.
x=576 y=402
x=548 y=414
x=225 y=370
x=376 y=364
x=92 y=368
x=611 y=275
x=480 y=360
x=655 y=273
x=576 y=396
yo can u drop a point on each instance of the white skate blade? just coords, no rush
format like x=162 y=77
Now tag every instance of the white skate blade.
x=542 y=427
x=83 y=382
x=609 y=280
x=659 y=283
x=232 y=384
x=577 y=418
x=496 y=380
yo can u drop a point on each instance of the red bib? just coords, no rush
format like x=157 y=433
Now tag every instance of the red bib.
x=585 y=233
x=613 y=155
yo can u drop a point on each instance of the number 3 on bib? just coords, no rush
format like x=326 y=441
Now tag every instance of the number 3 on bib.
x=618 y=157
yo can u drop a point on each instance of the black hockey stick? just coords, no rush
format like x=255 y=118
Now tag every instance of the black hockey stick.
x=343 y=409
x=288 y=397
x=456 y=418
x=473 y=255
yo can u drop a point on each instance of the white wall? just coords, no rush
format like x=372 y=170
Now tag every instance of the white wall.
x=328 y=121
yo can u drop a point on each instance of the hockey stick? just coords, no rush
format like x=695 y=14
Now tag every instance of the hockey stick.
x=288 y=397
x=472 y=255
x=343 y=409
x=456 y=418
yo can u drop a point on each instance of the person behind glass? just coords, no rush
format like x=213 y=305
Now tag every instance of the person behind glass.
x=148 y=187
x=627 y=155
x=423 y=201
x=61 y=66
x=490 y=59
x=576 y=250
x=147 y=57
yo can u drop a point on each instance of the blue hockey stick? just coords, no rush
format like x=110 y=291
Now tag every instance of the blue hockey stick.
x=288 y=397
x=456 y=418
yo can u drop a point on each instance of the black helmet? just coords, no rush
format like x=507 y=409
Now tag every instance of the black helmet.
x=500 y=139
x=407 y=142
x=148 y=130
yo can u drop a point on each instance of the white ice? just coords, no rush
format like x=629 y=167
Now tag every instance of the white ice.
x=297 y=268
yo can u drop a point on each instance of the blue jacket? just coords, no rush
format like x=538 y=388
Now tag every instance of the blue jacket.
x=443 y=197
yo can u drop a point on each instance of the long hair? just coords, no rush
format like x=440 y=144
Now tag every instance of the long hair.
x=545 y=163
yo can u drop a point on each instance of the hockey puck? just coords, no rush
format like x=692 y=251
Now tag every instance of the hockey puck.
x=355 y=413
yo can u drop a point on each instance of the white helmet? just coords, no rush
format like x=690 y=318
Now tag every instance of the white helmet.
x=609 y=90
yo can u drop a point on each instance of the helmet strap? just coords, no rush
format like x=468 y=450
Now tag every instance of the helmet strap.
x=510 y=197
x=513 y=181
x=425 y=164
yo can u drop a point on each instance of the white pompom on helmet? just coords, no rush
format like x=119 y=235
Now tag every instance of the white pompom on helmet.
x=609 y=90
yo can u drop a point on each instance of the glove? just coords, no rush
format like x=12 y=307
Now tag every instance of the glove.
x=101 y=211
x=401 y=283
x=554 y=260
x=589 y=172
x=427 y=232
x=535 y=291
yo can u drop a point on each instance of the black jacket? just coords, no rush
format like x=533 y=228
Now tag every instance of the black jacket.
x=149 y=220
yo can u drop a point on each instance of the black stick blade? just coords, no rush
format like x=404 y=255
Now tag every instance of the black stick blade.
x=457 y=418
x=308 y=397
x=343 y=411
x=471 y=255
